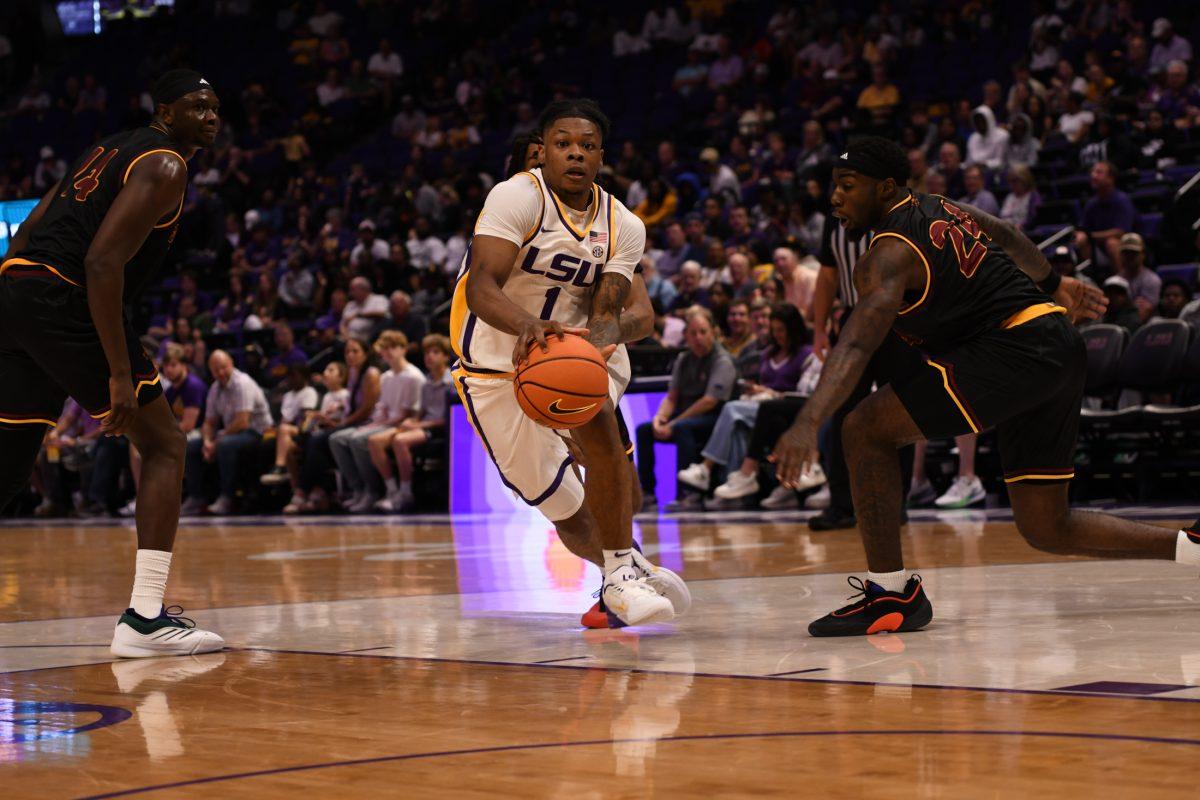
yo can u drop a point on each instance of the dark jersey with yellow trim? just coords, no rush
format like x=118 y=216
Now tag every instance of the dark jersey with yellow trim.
x=62 y=237
x=971 y=284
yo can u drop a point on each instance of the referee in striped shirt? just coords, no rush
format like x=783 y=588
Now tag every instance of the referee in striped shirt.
x=840 y=251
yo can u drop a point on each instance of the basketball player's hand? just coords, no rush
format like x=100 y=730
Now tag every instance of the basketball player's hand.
x=123 y=402
x=795 y=452
x=1081 y=300
x=534 y=331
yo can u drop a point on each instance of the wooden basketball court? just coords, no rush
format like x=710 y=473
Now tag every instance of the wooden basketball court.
x=391 y=658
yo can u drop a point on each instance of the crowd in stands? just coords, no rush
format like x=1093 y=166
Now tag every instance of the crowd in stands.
x=322 y=234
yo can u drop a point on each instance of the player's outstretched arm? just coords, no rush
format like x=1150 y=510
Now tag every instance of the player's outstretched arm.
x=881 y=277
x=492 y=261
x=21 y=238
x=153 y=190
x=1082 y=301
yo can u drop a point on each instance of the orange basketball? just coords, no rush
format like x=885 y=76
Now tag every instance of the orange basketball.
x=565 y=386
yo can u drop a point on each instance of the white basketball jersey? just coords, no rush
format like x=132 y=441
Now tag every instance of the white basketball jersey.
x=557 y=266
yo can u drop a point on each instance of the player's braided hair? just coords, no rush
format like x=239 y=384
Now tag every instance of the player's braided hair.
x=580 y=107
x=879 y=158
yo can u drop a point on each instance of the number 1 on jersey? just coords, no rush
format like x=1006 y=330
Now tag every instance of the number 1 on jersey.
x=551 y=299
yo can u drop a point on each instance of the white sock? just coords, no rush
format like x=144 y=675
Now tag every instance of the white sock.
x=150 y=582
x=406 y=488
x=889 y=581
x=392 y=486
x=1187 y=551
x=615 y=559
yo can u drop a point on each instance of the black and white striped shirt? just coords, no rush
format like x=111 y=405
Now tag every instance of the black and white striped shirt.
x=843 y=251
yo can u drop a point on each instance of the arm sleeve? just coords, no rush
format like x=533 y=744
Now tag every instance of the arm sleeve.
x=722 y=378
x=512 y=209
x=629 y=244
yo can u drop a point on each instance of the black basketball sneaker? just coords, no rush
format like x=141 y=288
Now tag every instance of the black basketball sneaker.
x=878 y=611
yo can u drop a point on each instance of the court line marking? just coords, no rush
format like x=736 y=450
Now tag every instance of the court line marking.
x=727 y=675
x=702 y=737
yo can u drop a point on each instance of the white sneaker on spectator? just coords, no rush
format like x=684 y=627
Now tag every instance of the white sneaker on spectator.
x=780 y=497
x=962 y=493
x=296 y=504
x=192 y=507
x=921 y=494
x=223 y=506
x=818 y=500
x=813 y=476
x=365 y=504
x=129 y=509
x=697 y=476
x=396 y=502
x=738 y=485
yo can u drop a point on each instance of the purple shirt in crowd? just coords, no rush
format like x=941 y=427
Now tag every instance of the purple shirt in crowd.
x=191 y=393
x=783 y=377
x=1115 y=211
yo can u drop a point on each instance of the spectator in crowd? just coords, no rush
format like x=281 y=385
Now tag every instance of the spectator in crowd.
x=364 y=310
x=289 y=444
x=880 y=99
x=977 y=193
x=723 y=182
x=1168 y=45
x=299 y=403
x=1022 y=147
x=740 y=342
x=297 y=288
x=815 y=151
x=399 y=396
x=727 y=68
x=415 y=431
x=703 y=378
x=1076 y=122
x=363 y=382
x=675 y=252
x=779 y=373
x=50 y=170
x=1176 y=295
x=987 y=145
x=799 y=280
x=1108 y=215
x=425 y=249
x=1145 y=287
x=1121 y=310
x=68 y=448
x=950 y=169
x=738 y=276
x=690 y=294
x=236 y=416
x=1021 y=205
x=401 y=318
x=287 y=354
x=368 y=242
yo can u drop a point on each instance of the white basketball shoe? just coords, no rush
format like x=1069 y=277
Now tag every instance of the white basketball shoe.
x=632 y=600
x=168 y=634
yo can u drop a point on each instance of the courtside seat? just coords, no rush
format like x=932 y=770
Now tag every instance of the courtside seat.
x=1155 y=359
x=1105 y=346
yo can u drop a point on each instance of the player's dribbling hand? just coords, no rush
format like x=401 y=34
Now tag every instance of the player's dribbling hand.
x=534 y=331
x=1081 y=300
x=796 y=452
x=123 y=405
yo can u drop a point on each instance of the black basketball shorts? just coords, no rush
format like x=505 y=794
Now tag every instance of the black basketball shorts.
x=49 y=349
x=1025 y=380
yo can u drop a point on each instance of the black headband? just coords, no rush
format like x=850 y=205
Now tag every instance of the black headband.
x=175 y=83
x=867 y=163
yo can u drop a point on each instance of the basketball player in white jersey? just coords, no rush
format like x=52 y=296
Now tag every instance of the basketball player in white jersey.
x=553 y=253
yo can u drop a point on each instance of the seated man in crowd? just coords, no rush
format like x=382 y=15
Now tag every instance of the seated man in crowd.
x=287 y=354
x=68 y=448
x=363 y=310
x=1107 y=217
x=236 y=416
x=1145 y=287
x=704 y=377
x=741 y=343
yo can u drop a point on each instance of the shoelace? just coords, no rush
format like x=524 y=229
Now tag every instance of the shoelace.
x=175 y=614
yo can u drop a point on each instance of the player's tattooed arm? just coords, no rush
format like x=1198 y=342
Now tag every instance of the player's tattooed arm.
x=604 y=322
x=1082 y=300
x=637 y=317
x=881 y=277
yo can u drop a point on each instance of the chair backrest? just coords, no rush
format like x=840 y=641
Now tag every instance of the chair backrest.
x=1154 y=360
x=1105 y=345
x=1191 y=361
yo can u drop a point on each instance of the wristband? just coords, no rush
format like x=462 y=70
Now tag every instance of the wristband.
x=1050 y=283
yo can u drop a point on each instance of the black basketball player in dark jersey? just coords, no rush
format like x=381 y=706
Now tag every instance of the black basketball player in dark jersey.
x=995 y=324
x=88 y=248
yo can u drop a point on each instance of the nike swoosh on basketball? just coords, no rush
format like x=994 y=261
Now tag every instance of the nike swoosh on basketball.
x=556 y=408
